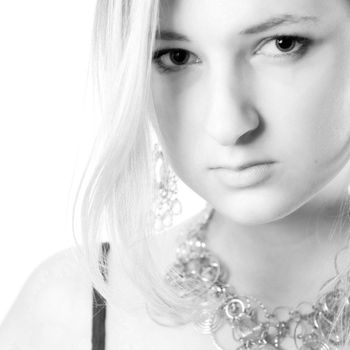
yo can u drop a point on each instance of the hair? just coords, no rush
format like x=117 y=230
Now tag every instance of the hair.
x=116 y=190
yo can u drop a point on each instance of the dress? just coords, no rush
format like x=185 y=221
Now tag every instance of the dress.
x=99 y=311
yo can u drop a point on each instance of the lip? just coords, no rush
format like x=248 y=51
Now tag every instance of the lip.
x=247 y=175
x=244 y=166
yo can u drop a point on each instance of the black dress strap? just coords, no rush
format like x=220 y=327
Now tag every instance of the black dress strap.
x=99 y=305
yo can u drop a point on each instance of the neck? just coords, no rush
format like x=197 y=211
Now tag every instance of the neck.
x=282 y=262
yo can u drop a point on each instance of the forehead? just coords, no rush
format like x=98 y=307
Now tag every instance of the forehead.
x=220 y=16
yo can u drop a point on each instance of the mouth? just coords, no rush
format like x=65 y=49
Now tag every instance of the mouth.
x=246 y=175
x=244 y=166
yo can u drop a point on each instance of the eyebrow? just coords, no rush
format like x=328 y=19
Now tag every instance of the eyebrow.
x=277 y=21
x=273 y=22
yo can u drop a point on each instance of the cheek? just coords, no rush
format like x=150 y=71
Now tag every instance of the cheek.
x=324 y=107
x=164 y=109
x=178 y=108
x=175 y=106
x=310 y=104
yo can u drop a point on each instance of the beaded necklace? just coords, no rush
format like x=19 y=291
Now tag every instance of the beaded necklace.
x=197 y=274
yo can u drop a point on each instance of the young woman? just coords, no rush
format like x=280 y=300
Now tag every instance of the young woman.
x=248 y=102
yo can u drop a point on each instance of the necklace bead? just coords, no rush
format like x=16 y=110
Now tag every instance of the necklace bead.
x=199 y=275
x=315 y=345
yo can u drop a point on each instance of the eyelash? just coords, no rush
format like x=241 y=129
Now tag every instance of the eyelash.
x=303 y=41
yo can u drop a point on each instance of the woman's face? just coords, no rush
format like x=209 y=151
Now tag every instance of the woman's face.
x=240 y=81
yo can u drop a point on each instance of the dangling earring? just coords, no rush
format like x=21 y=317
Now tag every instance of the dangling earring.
x=166 y=204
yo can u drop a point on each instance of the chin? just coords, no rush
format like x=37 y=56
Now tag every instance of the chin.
x=253 y=218
x=259 y=212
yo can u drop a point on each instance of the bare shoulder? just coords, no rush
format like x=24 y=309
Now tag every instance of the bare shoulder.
x=53 y=308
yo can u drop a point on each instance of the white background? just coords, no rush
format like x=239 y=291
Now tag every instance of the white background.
x=44 y=57
x=44 y=123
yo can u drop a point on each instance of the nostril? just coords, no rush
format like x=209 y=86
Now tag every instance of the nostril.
x=251 y=135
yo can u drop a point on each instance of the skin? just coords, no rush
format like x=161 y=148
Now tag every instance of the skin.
x=240 y=98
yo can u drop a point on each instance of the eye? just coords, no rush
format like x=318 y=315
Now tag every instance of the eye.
x=174 y=59
x=284 y=45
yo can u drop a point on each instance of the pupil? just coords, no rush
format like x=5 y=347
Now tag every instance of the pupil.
x=179 y=57
x=285 y=44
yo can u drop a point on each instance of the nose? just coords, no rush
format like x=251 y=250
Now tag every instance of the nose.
x=230 y=115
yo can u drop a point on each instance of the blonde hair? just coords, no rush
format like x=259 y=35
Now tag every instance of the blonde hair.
x=116 y=192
